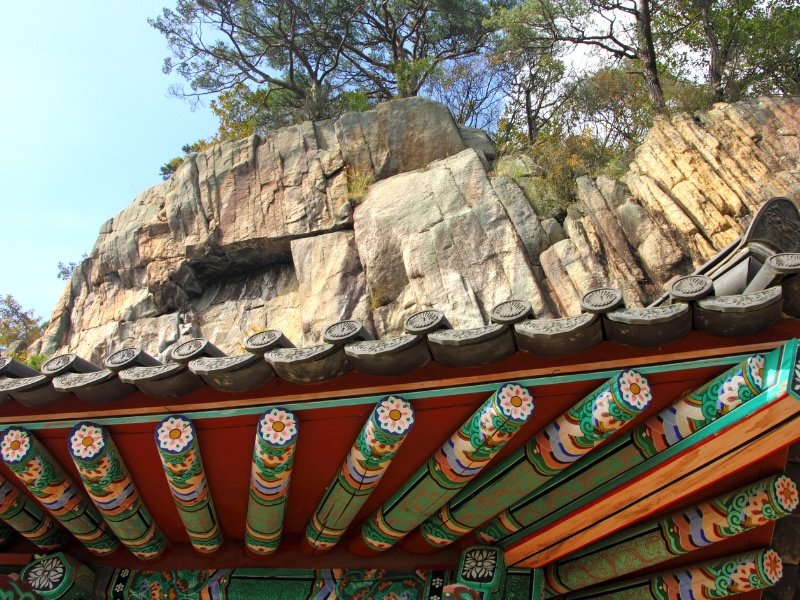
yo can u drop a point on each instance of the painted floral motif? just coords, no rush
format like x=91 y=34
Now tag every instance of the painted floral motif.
x=174 y=434
x=395 y=415
x=515 y=401
x=278 y=426
x=46 y=574
x=488 y=425
x=87 y=441
x=773 y=566
x=601 y=413
x=756 y=366
x=635 y=389
x=728 y=396
x=479 y=564
x=15 y=444
x=754 y=510
x=740 y=578
x=786 y=490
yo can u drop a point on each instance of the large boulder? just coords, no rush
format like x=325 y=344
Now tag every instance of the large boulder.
x=441 y=238
x=270 y=233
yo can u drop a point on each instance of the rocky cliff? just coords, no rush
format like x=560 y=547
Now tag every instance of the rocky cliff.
x=384 y=213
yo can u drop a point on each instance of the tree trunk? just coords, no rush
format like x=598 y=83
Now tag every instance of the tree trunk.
x=647 y=54
x=529 y=118
x=315 y=104
x=715 y=59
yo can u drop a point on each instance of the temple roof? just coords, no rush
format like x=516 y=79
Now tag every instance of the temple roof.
x=541 y=436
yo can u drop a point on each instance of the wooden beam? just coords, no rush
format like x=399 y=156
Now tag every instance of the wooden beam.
x=736 y=440
x=273 y=459
x=176 y=441
x=460 y=459
x=362 y=470
x=718 y=578
x=555 y=448
x=29 y=520
x=38 y=471
x=111 y=488
x=691 y=413
x=677 y=534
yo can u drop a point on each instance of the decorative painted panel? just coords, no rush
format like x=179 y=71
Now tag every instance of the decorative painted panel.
x=689 y=414
x=273 y=458
x=59 y=577
x=176 y=440
x=454 y=465
x=112 y=490
x=719 y=578
x=571 y=436
x=681 y=532
x=366 y=462
x=58 y=493
x=29 y=520
x=251 y=584
x=482 y=568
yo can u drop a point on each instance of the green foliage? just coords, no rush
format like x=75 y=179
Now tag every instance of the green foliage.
x=612 y=106
x=318 y=49
x=617 y=30
x=18 y=327
x=503 y=65
x=198 y=146
x=377 y=298
x=474 y=89
x=409 y=73
x=594 y=132
x=357 y=183
x=168 y=168
x=564 y=158
x=242 y=111
x=736 y=48
x=271 y=64
x=395 y=46
x=288 y=45
x=36 y=361
x=65 y=270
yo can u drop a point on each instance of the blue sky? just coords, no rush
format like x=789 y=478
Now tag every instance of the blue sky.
x=85 y=123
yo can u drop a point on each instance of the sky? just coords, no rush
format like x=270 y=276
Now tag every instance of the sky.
x=85 y=123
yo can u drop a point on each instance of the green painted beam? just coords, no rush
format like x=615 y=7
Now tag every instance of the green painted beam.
x=627 y=456
x=571 y=436
x=454 y=465
x=38 y=471
x=109 y=485
x=29 y=520
x=718 y=578
x=677 y=534
x=176 y=441
x=271 y=471
x=360 y=473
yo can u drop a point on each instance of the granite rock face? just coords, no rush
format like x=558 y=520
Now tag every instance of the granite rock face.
x=265 y=233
